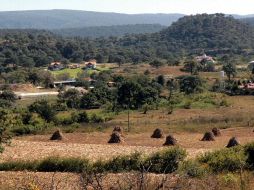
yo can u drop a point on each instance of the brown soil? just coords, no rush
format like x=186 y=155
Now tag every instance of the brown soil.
x=95 y=146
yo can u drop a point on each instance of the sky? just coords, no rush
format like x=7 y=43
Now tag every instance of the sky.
x=135 y=6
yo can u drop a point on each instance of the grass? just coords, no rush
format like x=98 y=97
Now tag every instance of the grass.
x=24 y=102
x=72 y=72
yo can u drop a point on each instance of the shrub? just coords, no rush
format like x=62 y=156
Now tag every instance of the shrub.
x=56 y=164
x=192 y=168
x=187 y=104
x=190 y=84
x=75 y=126
x=69 y=130
x=166 y=161
x=232 y=159
x=19 y=166
x=74 y=117
x=44 y=109
x=96 y=118
x=249 y=151
x=83 y=117
x=124 y=163
x=229 y=179
x=32 y=124
x=25 y=130
x=224 y=102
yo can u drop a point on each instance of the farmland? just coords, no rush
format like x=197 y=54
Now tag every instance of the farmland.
x=169 y=110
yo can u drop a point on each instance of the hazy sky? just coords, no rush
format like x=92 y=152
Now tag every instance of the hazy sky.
x=135 y=6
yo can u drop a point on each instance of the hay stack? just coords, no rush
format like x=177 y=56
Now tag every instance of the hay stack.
x=170 y=141
x=158 y=133
x=233 y=142
x=57 y=135
x=116 y=138
x=118 y=129
x=216 y=132
x=208 y=136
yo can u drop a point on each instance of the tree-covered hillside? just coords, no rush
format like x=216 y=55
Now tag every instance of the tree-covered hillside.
x=249 y=21
x=209 y=32
x=215 y=34
x=58 y=19
x=107 y=31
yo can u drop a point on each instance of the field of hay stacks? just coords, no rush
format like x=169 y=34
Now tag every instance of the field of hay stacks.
x=95 y=145
x=184 y=128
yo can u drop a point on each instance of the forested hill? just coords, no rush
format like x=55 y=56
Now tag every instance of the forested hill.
x=209 y=32
x=249 y=21
x=58 y=19
x=107 y=31
x=216 y=34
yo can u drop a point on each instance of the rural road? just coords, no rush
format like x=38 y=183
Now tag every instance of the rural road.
x=32 y=94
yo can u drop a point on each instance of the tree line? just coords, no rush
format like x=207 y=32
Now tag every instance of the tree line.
x=215 y=34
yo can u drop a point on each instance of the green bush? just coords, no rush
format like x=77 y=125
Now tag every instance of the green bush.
x=231 y=159
x=124 y=163
x=192 y=168
x=224 y=102
x=35 y=125
x=75 y=126
x=96 y=118
x=56 y=164
x=25 y=130
x=83 y=117
x=249 y=151
x=166 y=161
x=66 y=120
x=19 y=166
x=162 y=162
x=187 y=104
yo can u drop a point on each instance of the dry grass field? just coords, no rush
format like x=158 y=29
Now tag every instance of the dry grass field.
x=140 y=69
x=186 y=125
x=94 y=146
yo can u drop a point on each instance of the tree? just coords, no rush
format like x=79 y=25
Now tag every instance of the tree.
x=34 y=77
x=26 y=61
x=71 y=97
x=126 y=96
x=44 y=109
x=156 y=63
x=190 y=84
x=8 y=120
x=230 y=70
x=119 y=60
x=191 y=66
x=47 y=79
x=161 y=80
x=89 y=101
x=8 y=95
x=172 y=87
